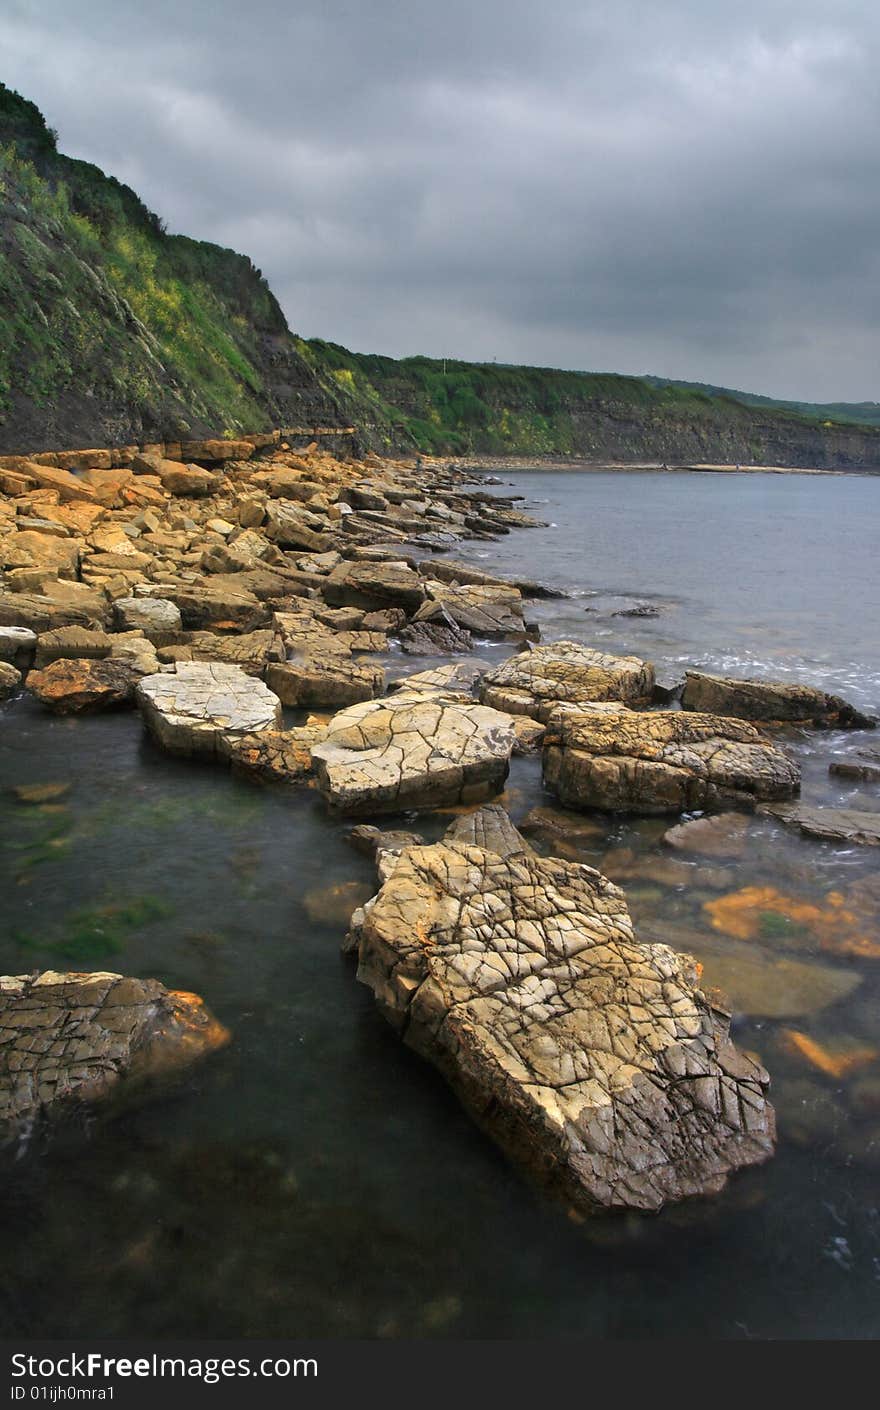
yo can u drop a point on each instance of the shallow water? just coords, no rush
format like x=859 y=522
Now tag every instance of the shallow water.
x=315 y=1178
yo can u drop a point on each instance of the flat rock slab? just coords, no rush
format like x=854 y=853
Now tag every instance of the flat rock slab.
x=189 y=709
x=775 y=702
x=457 y=676
x=665 y=761
x=564 y=672
x=67 y=1038
x=595 y=1062
x=413 y=751
x=844 y=825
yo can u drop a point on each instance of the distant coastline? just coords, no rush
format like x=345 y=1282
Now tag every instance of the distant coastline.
x=509 y=464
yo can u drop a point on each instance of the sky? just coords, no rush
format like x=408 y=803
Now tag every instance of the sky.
x=683 y=187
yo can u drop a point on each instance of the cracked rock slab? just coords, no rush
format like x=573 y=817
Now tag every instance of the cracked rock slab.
x=67 y=1038
x=595 y=1062
x=665 y=761
x=775 y=702
x=408 y=751
x=188 y=710
x=564 y=672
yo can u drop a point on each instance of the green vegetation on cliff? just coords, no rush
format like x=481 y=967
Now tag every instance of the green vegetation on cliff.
x=110 y=324
x=112 y=330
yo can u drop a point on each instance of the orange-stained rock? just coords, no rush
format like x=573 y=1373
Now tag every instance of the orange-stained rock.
x=78 y=686
x=68 y=486
x=762 y=912
x=837 y=1062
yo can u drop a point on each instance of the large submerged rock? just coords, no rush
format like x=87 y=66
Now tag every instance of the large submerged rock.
x=564 y=672
x=425 y=751
x=847 y=826
x=188 y=710
x=67 y=1038
x=775 y=702
x=665 y=761
x=596 y=1062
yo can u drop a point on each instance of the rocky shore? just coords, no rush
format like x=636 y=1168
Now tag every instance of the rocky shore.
x=211 y=585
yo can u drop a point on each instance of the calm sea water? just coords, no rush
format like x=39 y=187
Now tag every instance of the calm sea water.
x=316 y=1178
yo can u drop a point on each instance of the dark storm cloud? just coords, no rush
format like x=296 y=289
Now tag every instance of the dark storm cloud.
x=685 y=187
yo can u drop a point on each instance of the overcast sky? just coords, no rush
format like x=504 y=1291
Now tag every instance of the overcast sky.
x=686 y=187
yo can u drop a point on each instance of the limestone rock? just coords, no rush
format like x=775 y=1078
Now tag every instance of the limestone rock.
x=457 y=676
x=250 y=650
x=275 y=756
x=773 y=701
x=292 y=526
x=190 y=709
x=488 y=611
x=76 y=642
x=665 y=761
x=211 y=607
x=327 y=685
x=537 y=680
x=594 y=1061
x=158 y=619
x=187 y=480
x=436 y=638
x=374 y=586
x=77 y=687
x=82 y=1038
x=10 y=680
x=413 y=751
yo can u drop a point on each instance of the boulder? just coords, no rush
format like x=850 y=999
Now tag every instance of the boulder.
x=48 y=477
x=158 y=619
x=190 y=480
x=59 y=604
x=250 y=650
x=413 y=751
x=847 y=826
x=292 y=526
x=596 y=1062
x=217 y=607
x=775 y=702
x=70 y=1039
x=537 y=680
x=10 y=680
x=188 y=710
x=17 y=646
x=32 y=549
x=491 y=612
x=665 y=761
x=324 y=685
x=374 y=586
x=77 y=687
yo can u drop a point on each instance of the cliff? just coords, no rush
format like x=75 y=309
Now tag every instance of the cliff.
x=113 y=331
